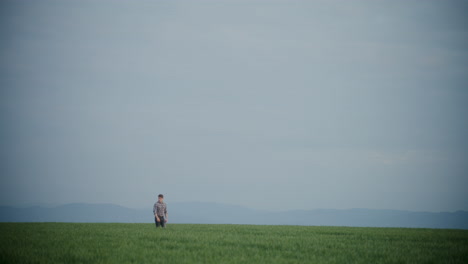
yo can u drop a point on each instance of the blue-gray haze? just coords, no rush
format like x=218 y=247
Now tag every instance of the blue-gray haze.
x=272 y=105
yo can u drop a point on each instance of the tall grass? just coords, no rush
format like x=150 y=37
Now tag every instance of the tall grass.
x=187 y=243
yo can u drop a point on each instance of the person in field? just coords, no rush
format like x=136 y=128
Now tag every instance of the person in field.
x=160 y=212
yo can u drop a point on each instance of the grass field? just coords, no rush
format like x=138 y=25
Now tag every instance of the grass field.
x=188 y=243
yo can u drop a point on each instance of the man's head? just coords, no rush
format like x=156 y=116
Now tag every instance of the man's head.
x=160 y=198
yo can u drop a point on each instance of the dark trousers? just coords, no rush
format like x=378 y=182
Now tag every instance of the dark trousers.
x=162 y=221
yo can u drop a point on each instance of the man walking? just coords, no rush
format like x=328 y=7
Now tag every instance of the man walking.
x=160 y=212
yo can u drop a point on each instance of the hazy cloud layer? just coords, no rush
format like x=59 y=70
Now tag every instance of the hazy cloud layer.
x=268 y=104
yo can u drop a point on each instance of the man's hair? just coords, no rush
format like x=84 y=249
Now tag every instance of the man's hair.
x=162 y=196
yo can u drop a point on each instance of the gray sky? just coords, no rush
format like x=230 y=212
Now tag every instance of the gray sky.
x=268 y=104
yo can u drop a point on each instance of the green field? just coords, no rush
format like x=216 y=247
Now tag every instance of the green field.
x=189 y=243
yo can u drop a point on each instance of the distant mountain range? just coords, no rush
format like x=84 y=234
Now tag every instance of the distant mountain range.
x=214 y=213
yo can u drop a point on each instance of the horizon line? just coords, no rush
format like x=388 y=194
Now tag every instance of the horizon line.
x=50 y=206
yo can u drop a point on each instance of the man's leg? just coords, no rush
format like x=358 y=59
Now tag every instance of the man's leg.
x=163 y=221
x=156 y=221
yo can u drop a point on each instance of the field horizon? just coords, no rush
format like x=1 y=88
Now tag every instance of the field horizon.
x=223 y=243
x=217 y=213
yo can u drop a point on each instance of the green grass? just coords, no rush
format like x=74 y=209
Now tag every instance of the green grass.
x=187 y=243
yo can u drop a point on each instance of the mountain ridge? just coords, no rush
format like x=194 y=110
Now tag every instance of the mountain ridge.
x=217 y=213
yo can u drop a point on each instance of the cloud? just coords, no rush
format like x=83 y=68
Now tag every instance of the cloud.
x=334 y=104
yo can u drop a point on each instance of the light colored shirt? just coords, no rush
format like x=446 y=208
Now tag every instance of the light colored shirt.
x=160 y=209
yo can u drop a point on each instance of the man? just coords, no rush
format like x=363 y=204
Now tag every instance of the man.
x=160 y=212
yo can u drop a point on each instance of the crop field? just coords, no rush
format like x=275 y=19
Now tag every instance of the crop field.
x=197 y=243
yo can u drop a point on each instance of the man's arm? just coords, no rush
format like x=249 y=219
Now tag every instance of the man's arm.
x=165 y=211
x=155 y=211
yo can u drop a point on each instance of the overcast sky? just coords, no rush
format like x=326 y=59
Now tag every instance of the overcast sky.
x=272 y=105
